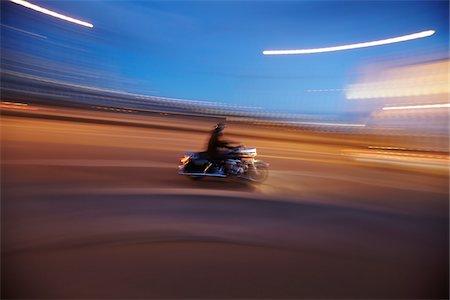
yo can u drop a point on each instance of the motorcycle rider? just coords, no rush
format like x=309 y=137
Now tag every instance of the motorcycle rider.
x=216 y=144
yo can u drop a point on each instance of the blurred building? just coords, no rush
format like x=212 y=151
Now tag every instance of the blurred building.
x=407 y=101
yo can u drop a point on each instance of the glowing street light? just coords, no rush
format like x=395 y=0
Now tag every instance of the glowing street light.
x=51 y=13
x=353 y=46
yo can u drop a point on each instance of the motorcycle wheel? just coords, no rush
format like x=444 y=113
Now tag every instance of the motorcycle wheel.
x=258 y=172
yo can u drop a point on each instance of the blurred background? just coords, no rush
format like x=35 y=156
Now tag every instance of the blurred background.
x=99 y=100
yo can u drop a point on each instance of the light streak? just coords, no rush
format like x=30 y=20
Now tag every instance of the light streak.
x=443 y=105
x=51 y=13
x=24 y=31
x=328 y=124
x=403 y=38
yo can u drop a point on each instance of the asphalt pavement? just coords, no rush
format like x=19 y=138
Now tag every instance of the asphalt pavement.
x=97 y=210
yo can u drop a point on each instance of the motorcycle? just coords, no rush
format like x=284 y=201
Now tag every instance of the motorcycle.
x=240 y=163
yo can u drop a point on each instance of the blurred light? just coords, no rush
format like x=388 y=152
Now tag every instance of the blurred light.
x=24 y=31
x=16 y=105
x=185 y=159
x=418 y=106
x=329 y=124
x=13 y=103
x=354 y=46
x=413 y=80
x=51 y=13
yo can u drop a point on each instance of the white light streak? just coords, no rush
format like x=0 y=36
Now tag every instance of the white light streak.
x=353 y=46
x=328 y=124
x=51 y=13
x=443 y=105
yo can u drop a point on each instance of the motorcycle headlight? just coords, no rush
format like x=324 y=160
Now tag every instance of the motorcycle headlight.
x=184 y=159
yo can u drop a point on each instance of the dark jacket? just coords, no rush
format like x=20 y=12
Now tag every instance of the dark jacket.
x=215 y=144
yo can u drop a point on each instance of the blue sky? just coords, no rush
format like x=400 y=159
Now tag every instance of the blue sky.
x=212 y=50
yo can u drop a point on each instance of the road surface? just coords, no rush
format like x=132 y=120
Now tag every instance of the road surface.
x=97 y=210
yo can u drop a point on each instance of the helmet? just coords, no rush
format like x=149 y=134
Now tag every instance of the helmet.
x=219 y=127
